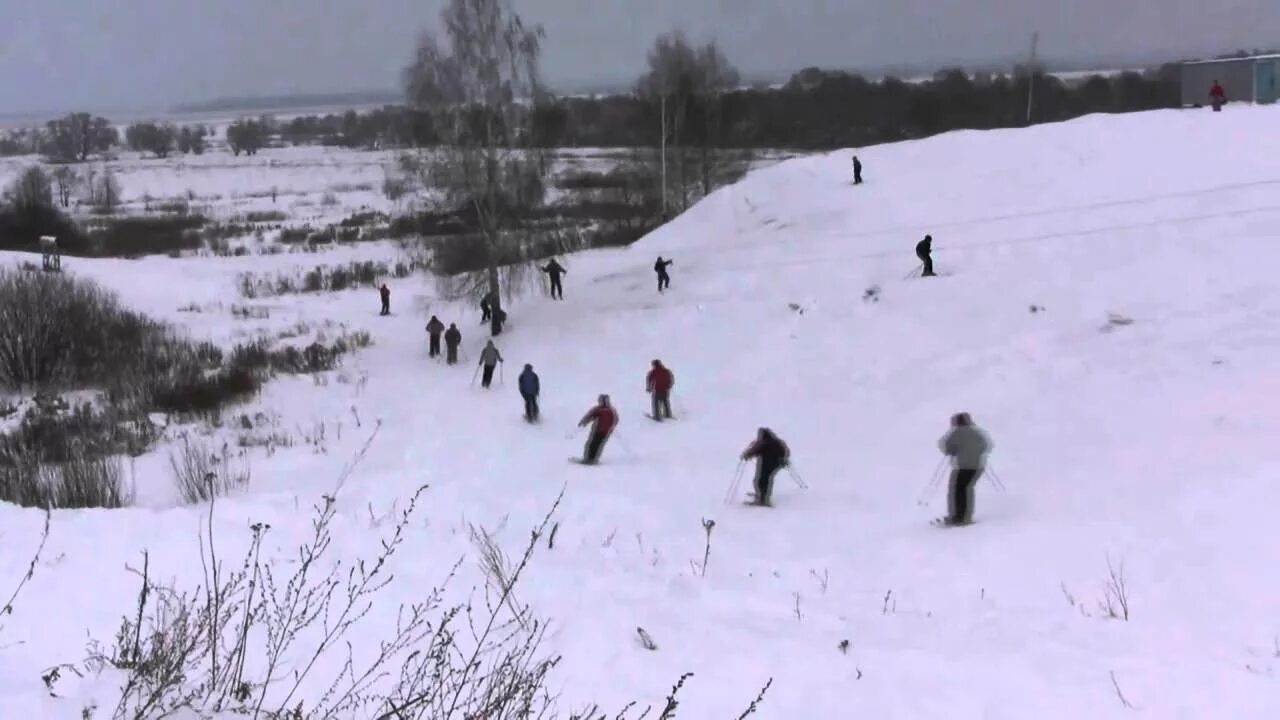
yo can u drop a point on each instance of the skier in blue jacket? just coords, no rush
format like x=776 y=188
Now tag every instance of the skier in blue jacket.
x=529 y=388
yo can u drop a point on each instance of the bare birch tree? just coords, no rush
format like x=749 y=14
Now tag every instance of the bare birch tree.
x=480 y=92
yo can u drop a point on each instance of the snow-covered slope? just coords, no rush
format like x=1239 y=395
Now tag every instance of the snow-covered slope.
x=1149 y=445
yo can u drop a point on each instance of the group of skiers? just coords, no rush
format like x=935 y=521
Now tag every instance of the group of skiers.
x=966 y=444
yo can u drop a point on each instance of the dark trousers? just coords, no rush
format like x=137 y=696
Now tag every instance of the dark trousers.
x=664 y=281
x=451 y=356
x=857 y=177
x=434 y=349
x=595 y=445
x=960 y=496
x=386 y=306
x=764 y=480
x=1217 y=106
x=557 y=289
x=927 y=259
x=486 y=312
x=530 y=407
x=488 y=376
x=661 y=404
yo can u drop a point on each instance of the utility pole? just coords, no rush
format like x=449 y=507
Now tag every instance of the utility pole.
x=1031 y=74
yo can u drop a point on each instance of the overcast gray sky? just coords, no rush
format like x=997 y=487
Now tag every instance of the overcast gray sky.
x=142 y=54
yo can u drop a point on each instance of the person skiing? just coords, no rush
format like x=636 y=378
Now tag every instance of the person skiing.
x=771 y=456
x=967 y=446
x=658 y=383
x=489 y=358
x=486 y=307
x=452 y=339
x=1217 y=96
x=924 y=248
x=554 y=270
x=529 y=388
x=385 y=292
x=434 y=328
x=857 y=171
x=500 y=317
x=660 y=267
x=603 y=419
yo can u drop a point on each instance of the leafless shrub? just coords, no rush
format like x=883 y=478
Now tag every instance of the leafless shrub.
x=707 y=527
x=7 y=608
x=202 y=473
x=1115 y=684
x=1115 y=593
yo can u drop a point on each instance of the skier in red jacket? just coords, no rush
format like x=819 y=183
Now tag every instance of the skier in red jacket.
x=658 y=383
x=603 y=418
x=1217 y=96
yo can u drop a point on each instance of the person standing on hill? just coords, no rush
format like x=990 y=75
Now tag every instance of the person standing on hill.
x=924 y=251
x=658 y=383
x=603 y=419
x=434 y=328
x=857 y=171
x=967 y=446
x=385 y=292
x=1217 y=96
x=452 y=339
x=529 y=389
x=489 y=358
x=554 y=270
x=486 y=307
x=660 y=267
x=771 y=456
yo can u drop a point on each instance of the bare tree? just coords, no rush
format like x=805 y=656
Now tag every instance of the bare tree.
x=478 y=93
x=157 y=139
x=67 y=181
x=688 y=84
x=77 y=136
x=106 y=190
x=32 y=190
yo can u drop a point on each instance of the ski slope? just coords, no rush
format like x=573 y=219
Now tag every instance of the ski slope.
x=1151 y=445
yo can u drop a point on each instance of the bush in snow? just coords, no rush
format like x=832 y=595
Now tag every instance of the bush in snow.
x=82 y=482
x=202 y=473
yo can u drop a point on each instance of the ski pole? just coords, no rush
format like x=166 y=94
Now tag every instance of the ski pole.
x=626 y=447
x=912 y=274
x=502 y=375
x=474 y=375
x=796 y=476
x=737 y=480
x=933 y=482
x=995 y=480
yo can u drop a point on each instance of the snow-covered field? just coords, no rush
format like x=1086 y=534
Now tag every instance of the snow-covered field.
x=1149 y=446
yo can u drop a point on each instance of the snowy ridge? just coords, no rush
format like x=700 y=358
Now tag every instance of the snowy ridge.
x=1150 y=443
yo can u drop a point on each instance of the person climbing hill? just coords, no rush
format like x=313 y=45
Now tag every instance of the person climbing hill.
x=385 y=293
x=452 y=339
x=857 y=171
x=554 y=270
x=771 y=456
x=658 y=384
x=529 y=389
x=489 y=359
x=434 y=328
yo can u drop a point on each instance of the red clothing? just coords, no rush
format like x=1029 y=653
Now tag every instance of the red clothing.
x=604 y=417
x=660 y=380
x=1217 y=93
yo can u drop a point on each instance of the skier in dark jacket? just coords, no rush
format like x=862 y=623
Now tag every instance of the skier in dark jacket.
x=529 y=389
x=658 y=383
x=385 y=292
x=967 y=446
x=603 y=419
x=771 y=456
x=857 y=171
x=452 y=339
x=660 y=267
x=434 y=328
x=924 y=250
x=554 y=270
x=489 y=358
x=486 y=307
